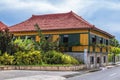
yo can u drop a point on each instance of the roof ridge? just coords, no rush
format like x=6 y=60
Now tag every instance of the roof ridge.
x=52 y=14
x=81 y=19
x=3 y=24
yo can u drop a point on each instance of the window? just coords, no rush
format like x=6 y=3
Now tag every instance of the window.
x=65 y=39
x=101 y=40
x=91 y=60
x=69 y=40
x=98 y=59
x=32 y=37
x=47 y=37
x=104 y=59
x=93 y=39
x=106 y=42
x=22 y=37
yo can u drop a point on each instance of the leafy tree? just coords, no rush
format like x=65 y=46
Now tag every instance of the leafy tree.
x=23 y=44
x=45 y=45
x=114 y=42
x=115 y=49
x=5 y=41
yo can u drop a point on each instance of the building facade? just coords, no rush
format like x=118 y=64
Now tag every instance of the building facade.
x=79 y=38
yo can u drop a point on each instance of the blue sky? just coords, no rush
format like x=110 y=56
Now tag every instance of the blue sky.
x=104 y=14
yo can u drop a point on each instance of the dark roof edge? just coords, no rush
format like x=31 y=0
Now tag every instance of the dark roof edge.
x=102 y=31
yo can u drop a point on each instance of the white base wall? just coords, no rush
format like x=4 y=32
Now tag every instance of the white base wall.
x=80 y=57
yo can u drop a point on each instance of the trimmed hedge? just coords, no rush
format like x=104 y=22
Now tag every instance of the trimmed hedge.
x=36 y=58
x=6 y=59
x=54 y=57
x=29 y=58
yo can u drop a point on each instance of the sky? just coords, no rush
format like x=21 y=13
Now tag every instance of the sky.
x=104 y=14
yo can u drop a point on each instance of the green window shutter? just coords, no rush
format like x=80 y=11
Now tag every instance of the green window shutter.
x=104 y=41
x=61 y=40
x=98 y=40
x=108 y=42
x=22 y=37
x=74 y=39
x=32 y=37
x=91 y=35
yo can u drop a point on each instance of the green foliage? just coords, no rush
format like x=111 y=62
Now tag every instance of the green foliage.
x=23 y=44
x=66 y=59
x=115 y=50
x=53 y=57
x=6 y=59
x=45 y=45
x=29 y=58
x=5 y=41
x=114 y=42
x=101 y=45
x=110 y=57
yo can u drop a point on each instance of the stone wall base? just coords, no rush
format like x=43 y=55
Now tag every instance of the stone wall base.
x=44 y=68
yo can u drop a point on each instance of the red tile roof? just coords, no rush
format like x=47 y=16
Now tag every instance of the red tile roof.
x=3 y=26
x=59 y=21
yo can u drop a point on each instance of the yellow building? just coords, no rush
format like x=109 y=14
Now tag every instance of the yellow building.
x=80 y=38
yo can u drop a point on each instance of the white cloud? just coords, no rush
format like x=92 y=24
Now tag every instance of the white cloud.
x=41 y=6
x=82 y=7
x=79 y=6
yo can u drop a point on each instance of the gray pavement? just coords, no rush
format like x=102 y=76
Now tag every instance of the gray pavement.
x=34 y=75
x=105 y=74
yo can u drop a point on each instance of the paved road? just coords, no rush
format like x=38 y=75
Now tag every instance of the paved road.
x=33 y=75
x=107 y=74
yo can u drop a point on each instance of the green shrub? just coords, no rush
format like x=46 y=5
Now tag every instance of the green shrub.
x=24 y=44
x=67 y=59
x=19 y=58
x=53 y=57
x=6 y=59
x=35 y=57
x=28 y=58
x=110 y=57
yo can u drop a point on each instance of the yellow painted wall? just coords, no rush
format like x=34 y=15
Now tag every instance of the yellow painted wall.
x=84 y=39
x=55 y=37
x=91 y=48
x=50 y=32
x=79 y=48
x=97 y=49
x=37 y=38
x=104 y=50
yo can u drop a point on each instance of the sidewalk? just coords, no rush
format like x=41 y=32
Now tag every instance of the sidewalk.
x=39 y=77
x=49 y=75
x=53 y=77
x=34 y=75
